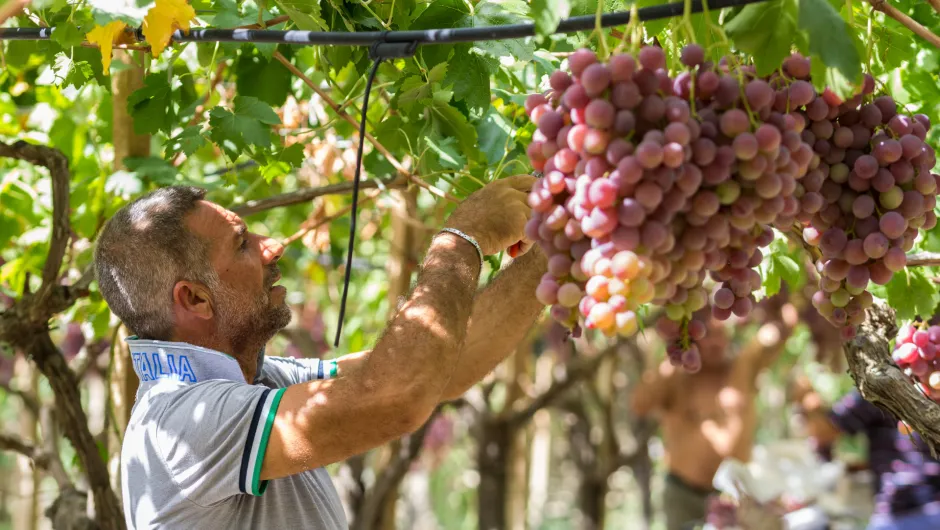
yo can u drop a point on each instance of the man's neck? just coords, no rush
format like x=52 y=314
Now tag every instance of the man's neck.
x=247 y=358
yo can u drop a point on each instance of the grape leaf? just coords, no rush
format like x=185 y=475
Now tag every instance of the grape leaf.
x=161 y=20
x=829 y=38
x=156 y=169
x=235 y=131
x=73 y=73
x=451 y=122
x=105 y=37
x=493 y=130
x=188 y=141
x=828 y=77
x=290 y=157
x=455 y=14
x=653 y=27
x=262 y=78
x=893 y=44
x=414 y=90
x=497 y=13
x=911 y=293
x=152 y=105
x=779 y=266
x=468 y=74
x=447 y=154
x=66 y=35
x=548 y=13
x=766 y=32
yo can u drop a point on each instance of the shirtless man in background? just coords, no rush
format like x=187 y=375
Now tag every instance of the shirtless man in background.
x=710 y=415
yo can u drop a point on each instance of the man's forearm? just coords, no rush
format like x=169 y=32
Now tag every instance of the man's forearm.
x=428 y=330
x=502 y=315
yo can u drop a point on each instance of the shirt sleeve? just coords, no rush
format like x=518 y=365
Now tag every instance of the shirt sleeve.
x=213 y=436
x=294 y=371
x=853 y=414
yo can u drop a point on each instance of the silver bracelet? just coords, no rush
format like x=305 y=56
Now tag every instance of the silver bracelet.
x=468 y=238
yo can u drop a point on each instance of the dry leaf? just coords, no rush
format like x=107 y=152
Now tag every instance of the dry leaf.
x=105 y=37
x=163 y=19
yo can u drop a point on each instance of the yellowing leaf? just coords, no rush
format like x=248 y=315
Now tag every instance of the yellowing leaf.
x=105 y=37
x=163 y=19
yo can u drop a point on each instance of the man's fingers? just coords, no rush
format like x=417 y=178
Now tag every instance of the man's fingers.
x=521 y=182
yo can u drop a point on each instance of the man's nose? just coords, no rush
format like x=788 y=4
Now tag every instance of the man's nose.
x=271 y=250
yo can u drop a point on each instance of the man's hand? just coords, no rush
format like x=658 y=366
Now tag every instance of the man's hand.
x=496 y=214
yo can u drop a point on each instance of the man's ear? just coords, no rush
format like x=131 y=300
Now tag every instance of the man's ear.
x=193 y=299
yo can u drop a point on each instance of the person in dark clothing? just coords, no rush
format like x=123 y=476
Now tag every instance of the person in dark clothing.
x=906 y=476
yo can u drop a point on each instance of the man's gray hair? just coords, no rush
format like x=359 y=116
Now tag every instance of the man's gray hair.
x=143 y=251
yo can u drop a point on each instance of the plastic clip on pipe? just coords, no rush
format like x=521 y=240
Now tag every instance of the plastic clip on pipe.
x=379 y=51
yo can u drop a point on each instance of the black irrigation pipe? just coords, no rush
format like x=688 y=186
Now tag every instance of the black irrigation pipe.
x=431 y=36
x=392 y=44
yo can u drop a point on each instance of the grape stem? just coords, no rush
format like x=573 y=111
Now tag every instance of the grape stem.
x=906 y=21
x=631 y=30
x=604 y=52
x=923 y=259
x=935 y=4
x=687 y=20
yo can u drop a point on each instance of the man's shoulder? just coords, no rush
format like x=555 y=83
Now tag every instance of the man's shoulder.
x=154 y=402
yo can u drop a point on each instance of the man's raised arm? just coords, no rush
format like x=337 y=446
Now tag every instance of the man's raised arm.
x=502 y=315
x=395 y=387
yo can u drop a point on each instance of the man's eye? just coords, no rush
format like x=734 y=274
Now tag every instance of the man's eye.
x=244 y=244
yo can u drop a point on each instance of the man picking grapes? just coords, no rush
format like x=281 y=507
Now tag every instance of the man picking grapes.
x=709 y=415
x=223 y=437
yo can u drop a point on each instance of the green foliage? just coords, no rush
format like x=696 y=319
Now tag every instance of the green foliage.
x=765 y=31
x=779 y=266
x=911 y=293
x=546 y=14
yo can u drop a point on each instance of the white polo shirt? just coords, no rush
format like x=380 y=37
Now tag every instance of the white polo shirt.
x=192 y=453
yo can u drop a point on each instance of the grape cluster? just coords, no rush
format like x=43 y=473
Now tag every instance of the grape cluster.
x=862 y=206
x=721 y=513
x=917 y=353
x=652 y=184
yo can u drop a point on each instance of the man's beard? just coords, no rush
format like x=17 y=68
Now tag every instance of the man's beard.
x=249 y=322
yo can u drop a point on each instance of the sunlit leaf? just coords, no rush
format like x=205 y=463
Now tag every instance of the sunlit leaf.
x=766 y=31
x=105 y=37
x=163 y=19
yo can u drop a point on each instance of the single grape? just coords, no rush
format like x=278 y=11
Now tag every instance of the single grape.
x=801 y=93
x=892 y=225
x=863 y=206
x=692 y=55
x=595 y=79
x=892 y=198
x=854 y=252
x=599 y=113
x=649 y=154
x=621 y=67
x=652 y=58
x=734 y=122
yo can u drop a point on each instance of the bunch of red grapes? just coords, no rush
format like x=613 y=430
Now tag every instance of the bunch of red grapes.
x=917 y=353
x=653 y=184
x=864 y=203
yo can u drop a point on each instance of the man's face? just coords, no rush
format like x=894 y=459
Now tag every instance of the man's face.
x=247 y=304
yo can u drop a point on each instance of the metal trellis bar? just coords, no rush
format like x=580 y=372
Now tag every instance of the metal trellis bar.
x=431 y=36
